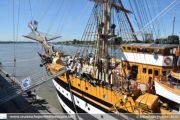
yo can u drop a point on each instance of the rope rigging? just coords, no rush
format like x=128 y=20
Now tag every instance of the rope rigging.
x=147 y=19
x=55 y=17
x=134 y=14
x=68 y=14
x=35 y=11
x=154 y=12
x=148 y=5
x=17 y=29
x=160 y=16
x=140 y=15
x=151 y=19
x=123 y=26
x=170 y=22
x=162 y=20
x=46 y=10
x=91 y=18
x=31 y=10
x=15 y=39
x=141 y=23
x=156 y=18
x=62 y=17
x=91 y=30
x=91 y=25
x=46 y=18
x=72 y=28
x=49 y=23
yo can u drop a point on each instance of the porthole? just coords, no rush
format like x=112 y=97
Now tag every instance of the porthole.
x=133 y=48
x=128 y=48
x=67 y=94
x=79 y=85
x=88 y=108
x=124 y=48
x=102 y=116
x=78 y=102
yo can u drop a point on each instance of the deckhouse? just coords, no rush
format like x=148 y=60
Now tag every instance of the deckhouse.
x=146 y=61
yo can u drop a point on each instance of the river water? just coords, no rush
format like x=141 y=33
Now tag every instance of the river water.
x=28 y=62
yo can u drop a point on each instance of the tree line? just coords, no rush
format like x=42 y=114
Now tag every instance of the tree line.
x=172 y=39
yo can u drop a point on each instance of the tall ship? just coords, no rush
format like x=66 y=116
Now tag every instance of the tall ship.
x=95 y=82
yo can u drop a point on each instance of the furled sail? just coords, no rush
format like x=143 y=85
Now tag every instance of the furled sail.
x=33 y=36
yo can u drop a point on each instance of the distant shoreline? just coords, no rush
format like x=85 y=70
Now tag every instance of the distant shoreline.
x=74 y=44
x=14 y=42
x=87 y=45
x=59 y=44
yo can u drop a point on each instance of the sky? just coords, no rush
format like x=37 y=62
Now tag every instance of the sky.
x=65 y=21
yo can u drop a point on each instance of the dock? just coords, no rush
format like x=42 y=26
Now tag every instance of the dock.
x=23 y=103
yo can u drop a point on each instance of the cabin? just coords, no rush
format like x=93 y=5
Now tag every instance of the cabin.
x=146 y=61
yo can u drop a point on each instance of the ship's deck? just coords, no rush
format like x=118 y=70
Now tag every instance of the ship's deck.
x=152 y=45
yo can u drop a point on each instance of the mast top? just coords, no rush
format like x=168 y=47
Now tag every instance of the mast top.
x=113 y=5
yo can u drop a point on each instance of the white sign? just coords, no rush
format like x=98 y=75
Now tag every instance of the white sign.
x=25 y=83
x=3 y=116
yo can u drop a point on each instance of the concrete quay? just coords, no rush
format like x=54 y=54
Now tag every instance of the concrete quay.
x=24 y=103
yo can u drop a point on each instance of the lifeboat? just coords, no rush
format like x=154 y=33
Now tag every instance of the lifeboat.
x=174 y=77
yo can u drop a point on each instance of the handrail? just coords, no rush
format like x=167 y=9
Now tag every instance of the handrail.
x=19 y=91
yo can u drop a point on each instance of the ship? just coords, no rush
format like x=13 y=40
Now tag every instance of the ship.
x=96 y=82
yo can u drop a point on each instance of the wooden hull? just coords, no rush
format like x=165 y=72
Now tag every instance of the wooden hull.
x=96 y=99
x=81 y=104
x=167 y=92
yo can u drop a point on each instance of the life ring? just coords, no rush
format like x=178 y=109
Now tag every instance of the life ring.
x=135 y=85
x=167 y=60
x=123 y=81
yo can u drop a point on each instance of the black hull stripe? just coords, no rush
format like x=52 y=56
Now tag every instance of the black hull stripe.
x=71 y=106
x=66 y=86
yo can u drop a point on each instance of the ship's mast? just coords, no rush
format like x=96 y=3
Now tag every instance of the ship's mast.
x=107 y=16
x=105 y=45
x=173 y=26
x=108 y=4
x=97 y=46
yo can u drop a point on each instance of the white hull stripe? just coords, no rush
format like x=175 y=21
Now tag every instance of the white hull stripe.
x=81 y=103
x=67 y=109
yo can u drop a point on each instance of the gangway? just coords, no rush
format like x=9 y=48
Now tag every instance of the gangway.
x=12 y=92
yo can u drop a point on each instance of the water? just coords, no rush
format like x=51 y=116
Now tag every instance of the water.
x=24 y=69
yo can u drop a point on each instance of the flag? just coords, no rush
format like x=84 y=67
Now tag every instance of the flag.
x=35 y=22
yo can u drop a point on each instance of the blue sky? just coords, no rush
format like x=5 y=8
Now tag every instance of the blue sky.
x=6 y=13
